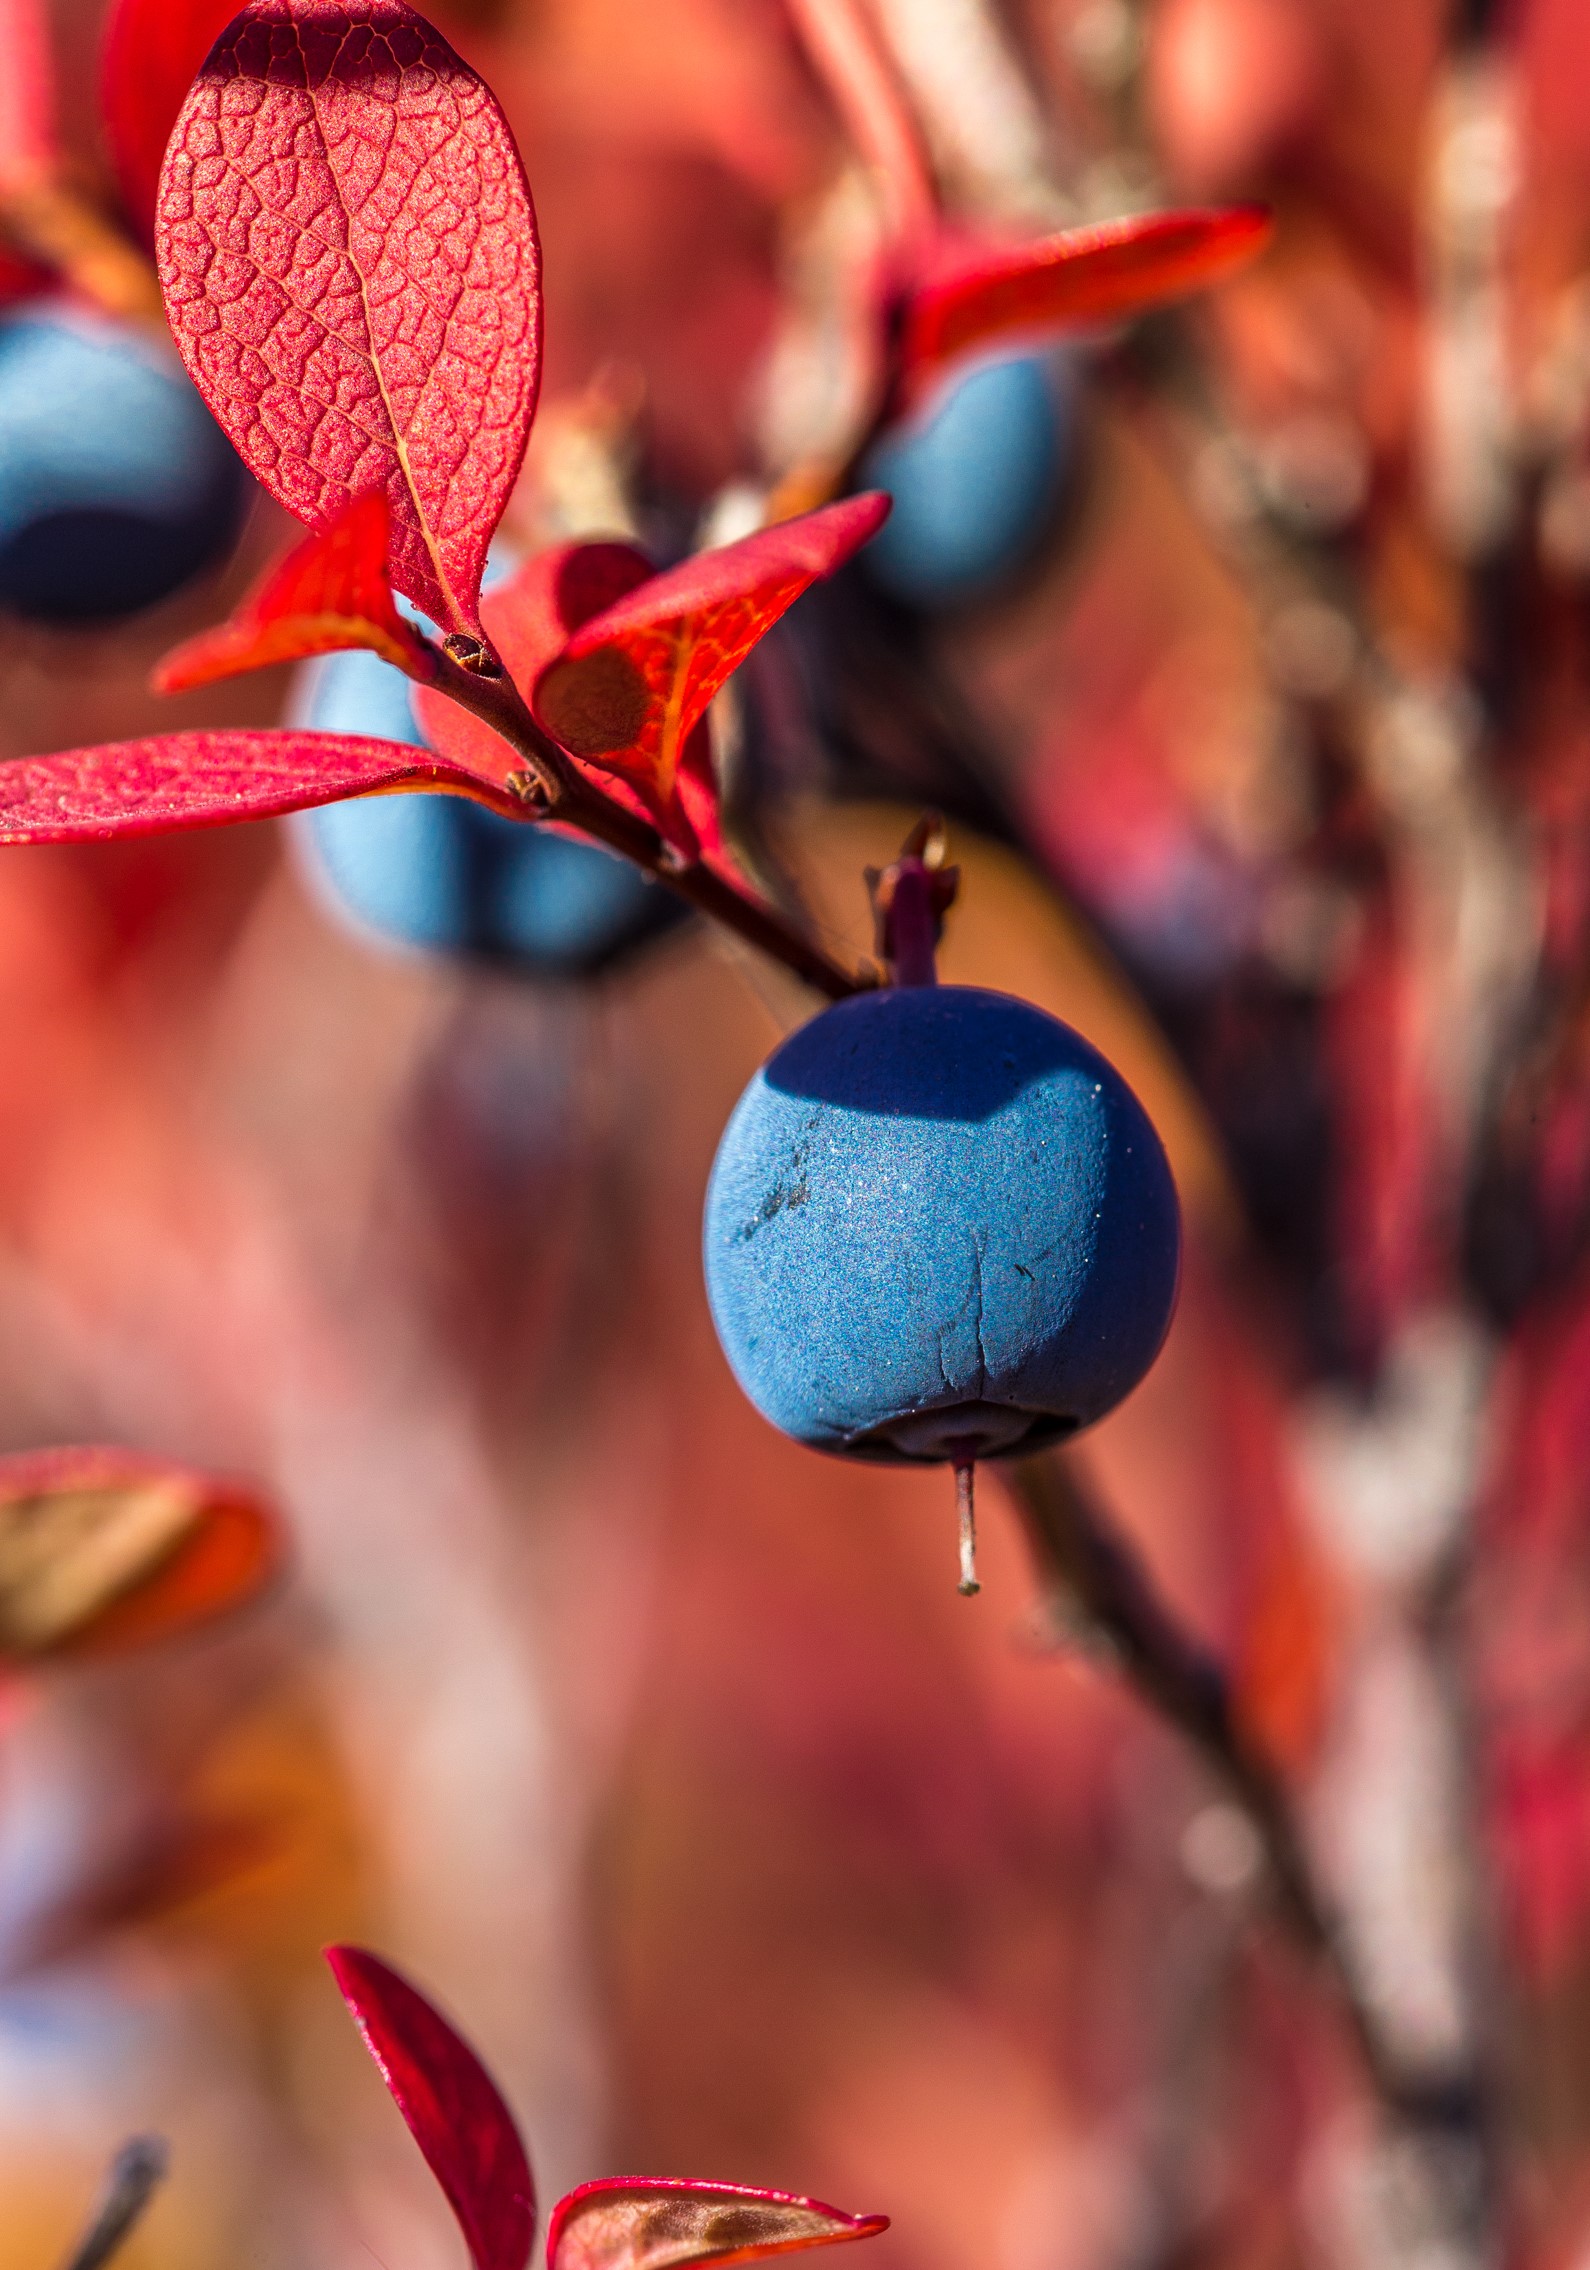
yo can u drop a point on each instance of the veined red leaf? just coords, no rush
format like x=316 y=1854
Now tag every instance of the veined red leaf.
x=451 y=2104
x=348 y=253
x=330 y=592
x=103 y=1549
x=634 y=682
x=634 y=2223
x=206 y=780
x=1082 y=276
x=27 y=94
x=529 y=619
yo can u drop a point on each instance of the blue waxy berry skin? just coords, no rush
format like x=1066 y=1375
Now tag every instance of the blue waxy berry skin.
x=939 y=1224
x=448 y=877
x=116 y=484
x=975 y=479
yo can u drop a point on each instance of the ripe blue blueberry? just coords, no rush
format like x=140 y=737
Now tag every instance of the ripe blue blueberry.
x=116 y=484
x=939 y=1227
x=975 y=481
x=441 y=873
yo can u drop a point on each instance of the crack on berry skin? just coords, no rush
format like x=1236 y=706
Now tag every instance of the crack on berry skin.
x=791 y=1191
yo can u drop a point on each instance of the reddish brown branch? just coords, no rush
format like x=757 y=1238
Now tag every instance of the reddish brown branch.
x=553 y=786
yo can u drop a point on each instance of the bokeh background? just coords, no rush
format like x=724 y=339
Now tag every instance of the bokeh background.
x=662 y=1751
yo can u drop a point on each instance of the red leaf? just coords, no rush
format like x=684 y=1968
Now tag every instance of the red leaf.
x=330 y=592
x=27 y=95
x=529 y=619
x=204 y=780
x=634 y=2223
x=633 y=683
x=348 y=252
x=149 y=58
x=1093 y=275
x=102 y=1550
x=452 y=2107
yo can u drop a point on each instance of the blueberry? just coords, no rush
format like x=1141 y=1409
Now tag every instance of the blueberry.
x=116 y=484
x=939 y=1227
x=441 y=873
x=975 y=481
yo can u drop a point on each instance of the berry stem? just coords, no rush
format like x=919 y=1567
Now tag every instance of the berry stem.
x=913 y=926
x=910 y=898
x=966 y=1507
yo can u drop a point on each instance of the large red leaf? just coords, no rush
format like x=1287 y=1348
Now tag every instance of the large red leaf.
x=104 y=1549
x=330 y=592
x=348 y=252
x=452 y=2107
x=1092 y=275
x=634 y=682
x=202 y=780
x=635 y=2223
x=149 y=58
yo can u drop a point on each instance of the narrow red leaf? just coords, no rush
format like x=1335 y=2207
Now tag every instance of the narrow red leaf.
x=451 y=2104
x=635 y=2223
x=104 y=1549
x=206 y=780
x=634 y=682
x=27 y=95
x=330 y=592
x=348 y=252
x=1092 y=275
x=149 y=57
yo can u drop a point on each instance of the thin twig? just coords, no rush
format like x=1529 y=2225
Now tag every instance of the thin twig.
x=1079 y=1550
x=135 y=2174
x=554 y=787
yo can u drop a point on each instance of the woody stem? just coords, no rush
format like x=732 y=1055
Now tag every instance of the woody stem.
x=554 y=787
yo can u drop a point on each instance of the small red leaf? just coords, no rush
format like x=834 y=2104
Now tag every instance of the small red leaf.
x=635 y=2223
x=204 y=780
x=529 y=619
x=452 y=2107
x=27 y=95
x=348 y=252
x=330 y=592
x=103 y=1549
x=634 y=682
x=149 y=58
x=1082 y=276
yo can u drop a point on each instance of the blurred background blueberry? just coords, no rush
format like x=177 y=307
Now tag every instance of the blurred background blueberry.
x=116 y=484
x=445 y=875
x=976 y=480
